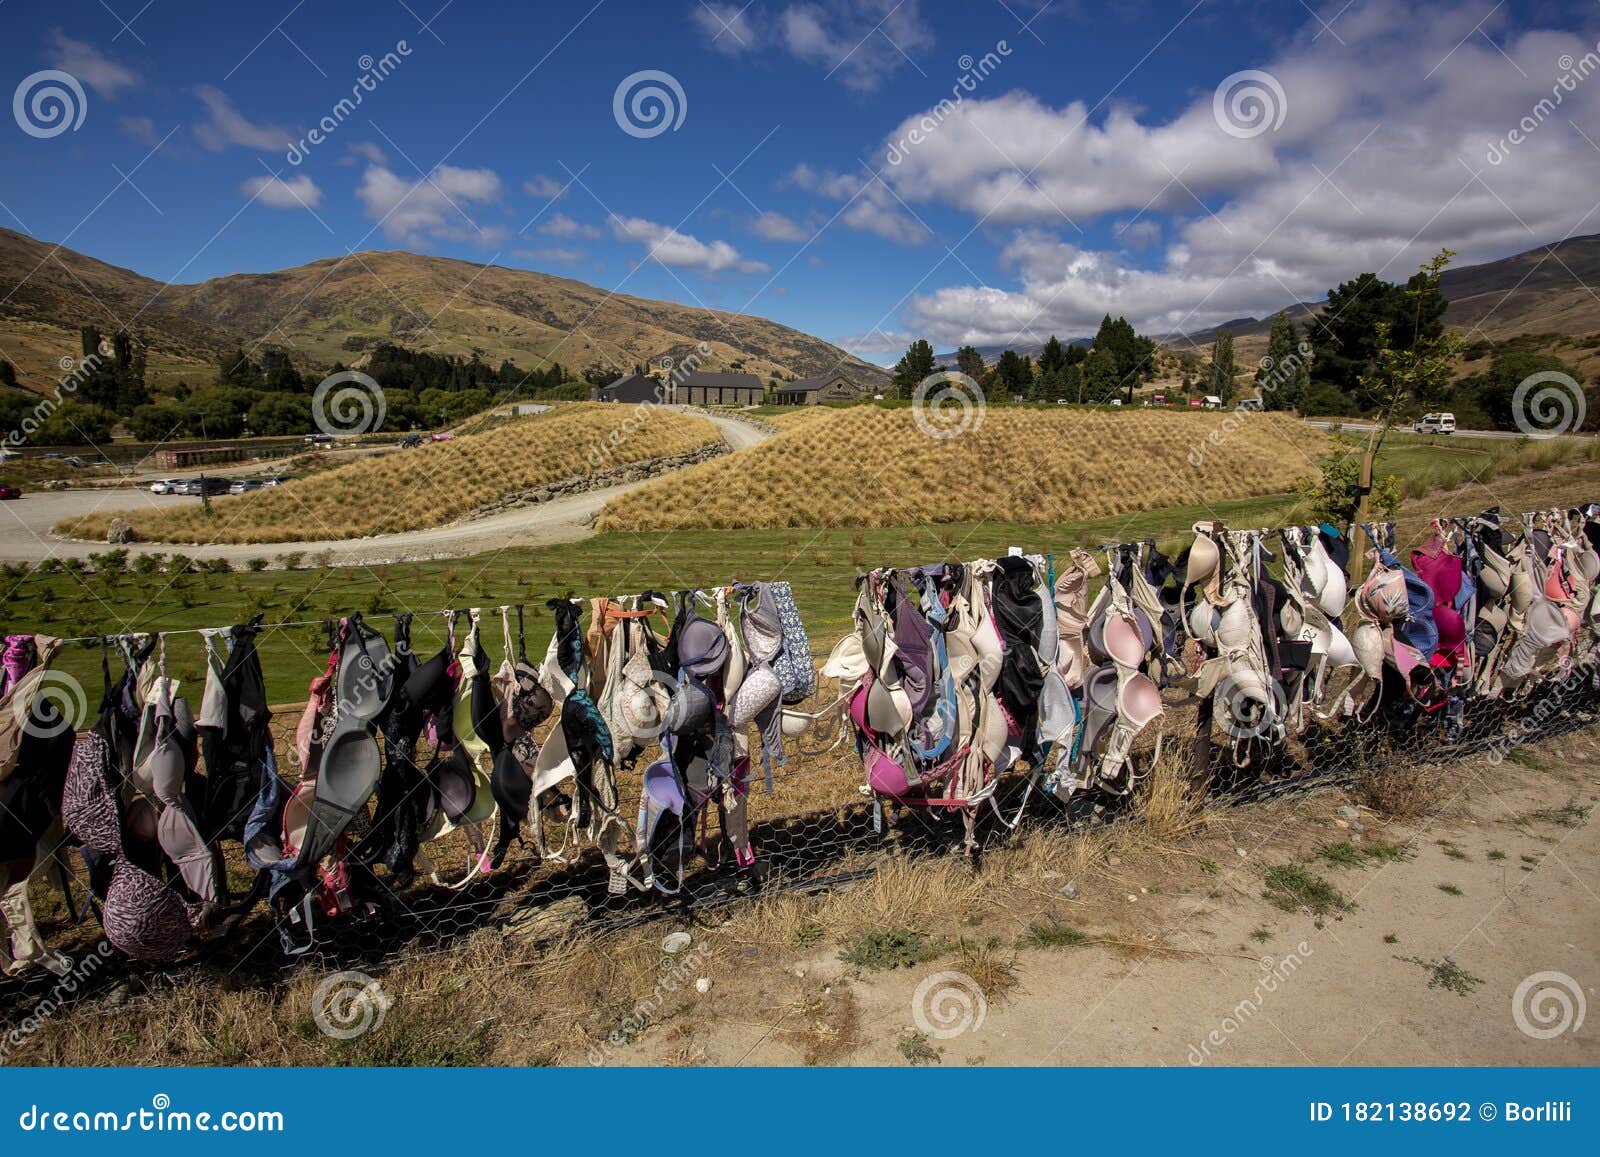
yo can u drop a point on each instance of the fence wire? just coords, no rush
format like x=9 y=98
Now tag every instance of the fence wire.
x=817 y=829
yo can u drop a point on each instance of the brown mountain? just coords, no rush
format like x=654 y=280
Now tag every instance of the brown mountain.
x=1548 y=289
x=333 y=309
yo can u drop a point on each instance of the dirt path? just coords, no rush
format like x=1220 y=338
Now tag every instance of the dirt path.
x=1244 y=982
x=25 y=523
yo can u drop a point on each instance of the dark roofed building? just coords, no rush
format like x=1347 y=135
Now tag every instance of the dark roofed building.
x=708 y=389
x=630 y=388
x=810 y=391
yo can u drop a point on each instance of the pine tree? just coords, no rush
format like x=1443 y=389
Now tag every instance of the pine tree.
x=970 y=362
x=916 y=365
x=1222 y=368
x=1282 y=379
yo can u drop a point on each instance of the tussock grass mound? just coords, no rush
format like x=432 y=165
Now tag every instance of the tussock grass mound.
x=425 y=487
x=873 y=466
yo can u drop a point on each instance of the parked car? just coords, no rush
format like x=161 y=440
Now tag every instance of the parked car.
x=1435 y=424
x=8 y=492
x=410 y=441
x=274 y=480
x=1251 y=404
x=318 y=439
x=74 y=460
x=166 y=486
x=195 y=487
x=245 y=485
x=445 y=436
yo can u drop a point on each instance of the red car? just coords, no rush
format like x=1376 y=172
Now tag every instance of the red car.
x=8 y=491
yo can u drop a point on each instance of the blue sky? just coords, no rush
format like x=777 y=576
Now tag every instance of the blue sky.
x=1086 y=166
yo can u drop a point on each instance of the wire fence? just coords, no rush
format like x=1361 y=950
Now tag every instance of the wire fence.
x=817 y=829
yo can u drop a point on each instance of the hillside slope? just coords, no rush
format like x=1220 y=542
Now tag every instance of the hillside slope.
x=872 y=466
x=330 y=310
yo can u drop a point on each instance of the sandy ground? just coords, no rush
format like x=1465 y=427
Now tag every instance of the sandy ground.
x=1341 y=994
x=25 y=523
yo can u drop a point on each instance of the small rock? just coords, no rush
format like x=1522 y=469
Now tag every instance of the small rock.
x=119 y=532
x=1242 y=853
x=1348 y=812
x=703 y=985
x=1341 y=823
x=675 y=942
x=118 y=996
x=800 y=972
x=1355 y=837
x=1113 y=861
x=1070 y=889
x=750 y=953
x=1357 y=826
x=1144 y=891
x=1132 y=899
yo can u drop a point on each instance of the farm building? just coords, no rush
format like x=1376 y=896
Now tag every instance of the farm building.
x=810 y=391
x=708 y=389
x=630 y=388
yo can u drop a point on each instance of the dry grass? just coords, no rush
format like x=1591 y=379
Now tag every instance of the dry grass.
x=872 y=466
x=429 y=486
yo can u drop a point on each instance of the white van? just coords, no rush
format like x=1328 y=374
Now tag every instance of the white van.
x=1435 y=424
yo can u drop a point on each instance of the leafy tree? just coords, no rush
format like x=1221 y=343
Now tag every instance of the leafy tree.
x=1134 y=355
x=1491 y=390
x=1333 y=497
x=1222 y=367
x=277 y=414
x=75 y=424
x=156 y=421
x=970 y=362
x=1101 y=383
x=917 y=364
x=1414 y=363
x=1282 y=379
x=1015 y=374
x=1344 y=335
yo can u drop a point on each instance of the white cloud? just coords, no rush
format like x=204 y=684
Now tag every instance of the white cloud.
x=777 y=227
x=141 y=129
x=729 y=28
x=367 y=151
x=297 y=192
x=1382 y=159
x=553 y=255
x=669 y=247
x=540 y=185
x=857 y=42
x=869 y=204
x=560 y=225
x=225 y=125
x=436 y=206
x=90 y=65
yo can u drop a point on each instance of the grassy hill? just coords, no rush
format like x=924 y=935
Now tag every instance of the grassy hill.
x=431 y=485
x=331 y=310
x=872 y=466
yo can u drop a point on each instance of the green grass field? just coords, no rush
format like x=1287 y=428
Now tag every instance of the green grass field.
x=819 y=564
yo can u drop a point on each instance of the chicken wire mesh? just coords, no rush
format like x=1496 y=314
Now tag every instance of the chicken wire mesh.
x=818 y=828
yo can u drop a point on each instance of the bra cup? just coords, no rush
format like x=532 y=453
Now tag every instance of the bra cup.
x=1339 y=651
x=1234 y=629
x=1291 y=620
x=1332 y=589
x=1203 y=622
x=1139 y=701
x=1367 y=642
x=1522 y=591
